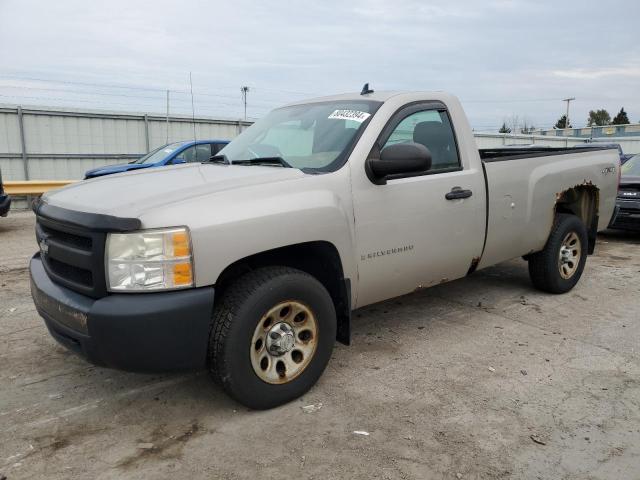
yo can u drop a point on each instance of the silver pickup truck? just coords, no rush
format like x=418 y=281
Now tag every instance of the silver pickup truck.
x=250 y=264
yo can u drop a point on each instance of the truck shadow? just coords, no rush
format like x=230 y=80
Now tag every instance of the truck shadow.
x=504 y=280
x=500 y=286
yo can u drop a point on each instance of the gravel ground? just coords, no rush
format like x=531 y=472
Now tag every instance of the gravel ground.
x=480 y=378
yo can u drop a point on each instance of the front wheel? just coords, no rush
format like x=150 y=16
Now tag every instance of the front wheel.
x=558 y=267
x=272 y=336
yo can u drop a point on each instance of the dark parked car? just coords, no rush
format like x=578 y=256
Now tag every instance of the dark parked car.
x=170 y=154
x=628 y=201
x=5 y=200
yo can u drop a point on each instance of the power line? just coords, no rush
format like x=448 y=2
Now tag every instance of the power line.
x=157 y=107
x=267 y=89
x=67 y=82
x=150 y=89
x=124 y=95
x=158 y=98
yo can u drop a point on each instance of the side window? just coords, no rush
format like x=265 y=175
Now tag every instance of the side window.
x=203 y=152
x=215 y=148
x=432 y=129
x=195 y=153
x=187 y=155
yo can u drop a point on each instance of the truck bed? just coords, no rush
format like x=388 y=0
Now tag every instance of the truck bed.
x=517 y=152
x=522 y=193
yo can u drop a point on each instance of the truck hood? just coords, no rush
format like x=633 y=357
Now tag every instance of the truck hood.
x=133 y=193
x=109 y=169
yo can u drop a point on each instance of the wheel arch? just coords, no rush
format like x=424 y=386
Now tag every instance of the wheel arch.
x=583 y=202
x=320 y=259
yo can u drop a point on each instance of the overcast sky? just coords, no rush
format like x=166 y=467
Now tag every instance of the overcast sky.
x=501 y=57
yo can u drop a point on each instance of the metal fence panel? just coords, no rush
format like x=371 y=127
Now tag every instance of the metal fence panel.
x=69 y=134
x=63 y=144
x=12 y=168
x=9 y=132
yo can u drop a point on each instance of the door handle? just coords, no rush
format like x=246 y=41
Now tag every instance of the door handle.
x=457 y=192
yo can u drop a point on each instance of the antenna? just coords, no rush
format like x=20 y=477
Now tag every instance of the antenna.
x=244 y=91
x=193 y=111
x=167 y=116
x=366 y=90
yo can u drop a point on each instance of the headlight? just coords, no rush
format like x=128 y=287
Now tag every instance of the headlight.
x=149 y=260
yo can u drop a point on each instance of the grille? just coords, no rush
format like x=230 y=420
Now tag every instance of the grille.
x=72 y=256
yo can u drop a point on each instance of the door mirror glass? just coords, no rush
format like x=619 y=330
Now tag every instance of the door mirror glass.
x=400 y=158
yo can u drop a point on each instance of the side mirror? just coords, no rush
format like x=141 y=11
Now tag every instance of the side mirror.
x=178 y=161
x=401 y=158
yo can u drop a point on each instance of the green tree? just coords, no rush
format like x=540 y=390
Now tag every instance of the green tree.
x=599 y=118
x=562 y=122
x=504 y=128
x=621 y=118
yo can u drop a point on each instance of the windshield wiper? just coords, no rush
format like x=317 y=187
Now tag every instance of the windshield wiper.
x=263 y=161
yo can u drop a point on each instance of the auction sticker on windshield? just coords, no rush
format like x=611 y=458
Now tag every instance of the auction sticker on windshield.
x=350 y=115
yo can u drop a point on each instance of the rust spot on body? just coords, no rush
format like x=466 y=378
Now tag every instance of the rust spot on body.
x=474 y=264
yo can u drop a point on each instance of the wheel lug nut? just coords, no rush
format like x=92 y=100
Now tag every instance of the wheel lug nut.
x=274 y=335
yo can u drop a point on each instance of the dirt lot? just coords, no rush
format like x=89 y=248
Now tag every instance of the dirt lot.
x=480 y=378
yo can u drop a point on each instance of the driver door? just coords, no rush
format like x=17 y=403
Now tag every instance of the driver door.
x=409 y=234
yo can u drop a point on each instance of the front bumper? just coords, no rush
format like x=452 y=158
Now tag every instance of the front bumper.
x=627 y=216
x=136 y=332
x=5 y=204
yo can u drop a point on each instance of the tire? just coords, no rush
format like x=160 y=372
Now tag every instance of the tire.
x=553 y=271
x=254 y=369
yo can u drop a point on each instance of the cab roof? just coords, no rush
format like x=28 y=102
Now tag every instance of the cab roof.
x=379 y=96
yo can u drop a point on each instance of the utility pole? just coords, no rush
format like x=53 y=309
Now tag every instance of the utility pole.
x=244 y=91
x=167 y=116
x=568 y=100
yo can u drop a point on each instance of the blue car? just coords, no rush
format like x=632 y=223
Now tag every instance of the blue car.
x=5 y=200
x=170 y=154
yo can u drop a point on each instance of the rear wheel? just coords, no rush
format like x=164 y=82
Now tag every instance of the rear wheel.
x=272 y=336
x=558 y=267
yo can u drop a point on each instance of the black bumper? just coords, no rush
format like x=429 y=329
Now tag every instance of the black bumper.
x=136 y=332
x=627 y=216
x=5 y=204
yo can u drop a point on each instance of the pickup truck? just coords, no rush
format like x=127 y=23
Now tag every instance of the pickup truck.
x=250 y=264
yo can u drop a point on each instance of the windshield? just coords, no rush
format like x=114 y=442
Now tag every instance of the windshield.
x=632 y=166
x=160 y=153
x=311 y=137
